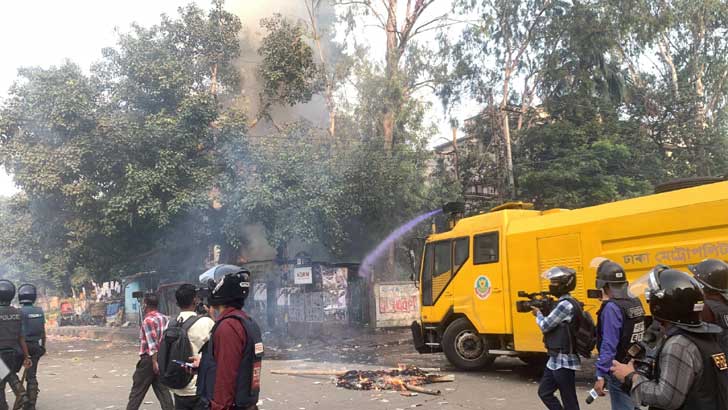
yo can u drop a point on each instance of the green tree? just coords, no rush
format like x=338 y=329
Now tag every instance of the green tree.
x=117 y=163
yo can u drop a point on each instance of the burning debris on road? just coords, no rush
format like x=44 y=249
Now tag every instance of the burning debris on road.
x=403 y=379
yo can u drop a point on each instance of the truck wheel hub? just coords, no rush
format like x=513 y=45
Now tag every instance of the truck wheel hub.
x=469 y=345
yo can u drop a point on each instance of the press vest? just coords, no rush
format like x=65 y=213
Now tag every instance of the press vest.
x=710 y=390
x=10 y=327
x=33 y=323
x=561 y=338
x=633 y=325
x=248 y=382
x=720 y=311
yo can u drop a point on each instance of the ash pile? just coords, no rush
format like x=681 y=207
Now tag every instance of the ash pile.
x=405 y=379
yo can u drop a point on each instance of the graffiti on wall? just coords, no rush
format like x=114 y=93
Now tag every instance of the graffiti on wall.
x=397 y=304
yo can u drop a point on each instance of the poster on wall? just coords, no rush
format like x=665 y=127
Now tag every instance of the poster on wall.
x=303 y=276
x=335 y=289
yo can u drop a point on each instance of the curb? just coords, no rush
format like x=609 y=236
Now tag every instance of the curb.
x=108 y=334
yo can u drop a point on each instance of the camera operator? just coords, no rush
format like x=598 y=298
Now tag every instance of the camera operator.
x=557 y=327
x=690 y=369
x=713 y=275
x=620 y=323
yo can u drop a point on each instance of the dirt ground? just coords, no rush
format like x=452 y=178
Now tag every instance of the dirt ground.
x=88 y=375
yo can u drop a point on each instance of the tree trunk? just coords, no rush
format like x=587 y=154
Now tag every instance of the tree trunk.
x=699 y=72
x=213 y=80
x=391 y=72
x=664 y=48
x=507 y=131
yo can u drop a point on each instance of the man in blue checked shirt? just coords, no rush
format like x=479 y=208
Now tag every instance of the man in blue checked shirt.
x=620 y=324
x=558 y=330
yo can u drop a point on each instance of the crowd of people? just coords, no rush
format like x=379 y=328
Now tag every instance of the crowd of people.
x=678 y=362
x=209 y=356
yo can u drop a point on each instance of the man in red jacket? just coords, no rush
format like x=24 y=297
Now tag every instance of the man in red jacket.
x=229 y=370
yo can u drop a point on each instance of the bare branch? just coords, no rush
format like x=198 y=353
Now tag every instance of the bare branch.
x=527 y=40
x=366 y=3
x=718 y=92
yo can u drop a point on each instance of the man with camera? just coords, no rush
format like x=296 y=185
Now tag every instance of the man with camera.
x=689 y=370
x=713 y=275
x=620 y=323
x=558 y=330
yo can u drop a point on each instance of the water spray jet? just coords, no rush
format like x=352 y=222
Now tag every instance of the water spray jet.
x=377 y=253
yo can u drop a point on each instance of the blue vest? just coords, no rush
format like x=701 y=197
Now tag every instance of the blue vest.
x=33 y=323
x=248 y=382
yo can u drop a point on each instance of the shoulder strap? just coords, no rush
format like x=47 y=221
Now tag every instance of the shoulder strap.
x=577 y=309
x=187 y=324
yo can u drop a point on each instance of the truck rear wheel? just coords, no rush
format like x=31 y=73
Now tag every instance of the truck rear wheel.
x=464 y=347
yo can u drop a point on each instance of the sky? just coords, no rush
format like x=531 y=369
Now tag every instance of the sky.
x=48 y=32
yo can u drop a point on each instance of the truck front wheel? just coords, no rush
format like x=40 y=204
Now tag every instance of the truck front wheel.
x=464 y=347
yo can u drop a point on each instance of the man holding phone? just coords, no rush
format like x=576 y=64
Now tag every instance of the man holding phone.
x=198 y=333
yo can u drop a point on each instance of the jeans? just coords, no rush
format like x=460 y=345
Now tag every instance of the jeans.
x=143 y=378
x=621 y=400
x=563 y=380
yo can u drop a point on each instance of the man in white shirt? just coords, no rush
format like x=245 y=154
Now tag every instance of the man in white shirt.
x=198 y=334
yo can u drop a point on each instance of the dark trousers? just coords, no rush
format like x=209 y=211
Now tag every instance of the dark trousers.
x=10 y=357
x=563 y=380
x=143 y=378
x=36 y=351
x=190 y=403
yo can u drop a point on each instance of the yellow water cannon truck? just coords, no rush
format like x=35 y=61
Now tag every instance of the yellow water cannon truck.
x=470 y=275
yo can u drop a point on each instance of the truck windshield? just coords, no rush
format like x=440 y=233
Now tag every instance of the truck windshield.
x=441 y=263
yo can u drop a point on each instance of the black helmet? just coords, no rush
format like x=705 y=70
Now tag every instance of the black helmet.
x=713 y=274
x=7 y=292
x=610 y=273
x=674 y=296
x=228 y=284
x=27 y=294
x=562 y=280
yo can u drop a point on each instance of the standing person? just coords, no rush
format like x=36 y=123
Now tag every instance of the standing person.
x=620 y=323
x=33 y=320
x=147 y=369
x=559 y=329
x=229 y=370
x=11 y=337
x=713 y=275
x=198 y=333
x=691 y=370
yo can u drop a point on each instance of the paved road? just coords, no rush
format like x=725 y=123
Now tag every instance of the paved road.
x=87 y=375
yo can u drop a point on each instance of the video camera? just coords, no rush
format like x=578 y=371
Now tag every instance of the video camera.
x=203 y=295
x=645 y=352
x=544 y=301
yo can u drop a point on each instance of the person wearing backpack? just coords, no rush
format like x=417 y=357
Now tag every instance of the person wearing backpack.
x=183 y=340
x=559 y=329
x=620 y=324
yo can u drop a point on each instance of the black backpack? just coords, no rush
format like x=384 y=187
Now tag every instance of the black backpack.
x=584 y=330
x=175 y=346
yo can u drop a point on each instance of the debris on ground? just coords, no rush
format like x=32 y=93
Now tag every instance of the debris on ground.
x=405 y=379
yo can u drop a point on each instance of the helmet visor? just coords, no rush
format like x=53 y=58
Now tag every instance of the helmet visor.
x=596 y=262
x=557 y=272
x=646 y=285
